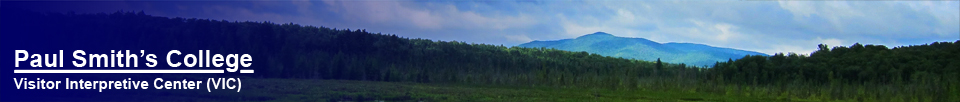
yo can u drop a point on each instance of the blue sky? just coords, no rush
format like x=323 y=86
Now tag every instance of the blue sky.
x=763 y=26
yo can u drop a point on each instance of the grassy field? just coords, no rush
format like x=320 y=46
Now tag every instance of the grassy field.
x=342 y=90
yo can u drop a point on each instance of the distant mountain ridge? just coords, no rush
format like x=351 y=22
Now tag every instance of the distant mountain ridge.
x=643 y=49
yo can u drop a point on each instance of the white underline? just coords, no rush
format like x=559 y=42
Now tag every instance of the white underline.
x=246 y=71
x=121 y=71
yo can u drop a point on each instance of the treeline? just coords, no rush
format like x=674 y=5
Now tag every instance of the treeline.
x=874 y=64
x=928 y=72
x=924 y=72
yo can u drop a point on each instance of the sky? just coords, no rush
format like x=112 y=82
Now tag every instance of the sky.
x=793 y=26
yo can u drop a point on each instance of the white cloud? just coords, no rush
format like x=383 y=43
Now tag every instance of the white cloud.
x=800 y=46
x=830 y=41
x=837 y=13
x=725 y=31
x=786 y=48
x=519 y=38
x=799 y=9
x=945 y=14
x=625 y=17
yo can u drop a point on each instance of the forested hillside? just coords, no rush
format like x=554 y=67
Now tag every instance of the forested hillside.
x=643 y=49
x=871 y=72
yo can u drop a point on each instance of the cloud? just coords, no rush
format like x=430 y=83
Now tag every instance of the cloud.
x=429 y=15
x=803 y=46
x=718 y=32
x=384 y=12
x=830 y=41
x=893 y=19
x=725 y=31
x=520 y=38
x=799 y=9
x=767 y=27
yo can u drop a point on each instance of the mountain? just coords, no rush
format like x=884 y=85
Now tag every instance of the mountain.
x=643 y=49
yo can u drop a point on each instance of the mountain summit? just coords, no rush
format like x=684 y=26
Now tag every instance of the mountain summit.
x=643 y=49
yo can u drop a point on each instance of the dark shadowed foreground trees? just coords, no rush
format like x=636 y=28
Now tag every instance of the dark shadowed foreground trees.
x=929 y=71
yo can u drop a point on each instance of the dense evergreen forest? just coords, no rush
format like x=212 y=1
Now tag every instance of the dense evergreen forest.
x=928 y=72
